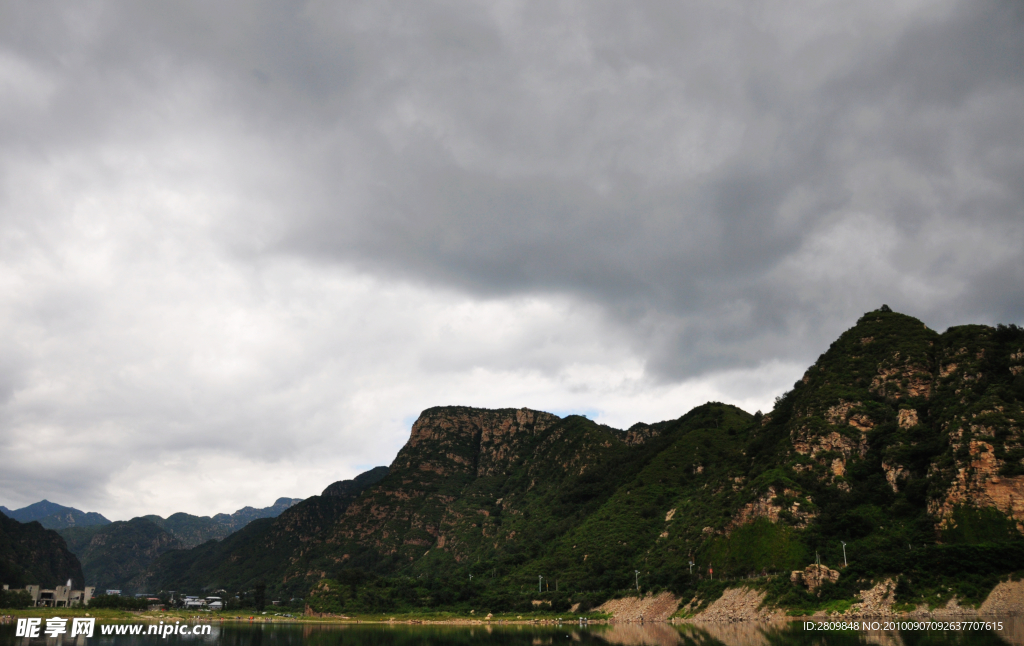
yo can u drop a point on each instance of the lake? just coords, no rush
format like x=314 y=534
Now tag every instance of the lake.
x=730 y=634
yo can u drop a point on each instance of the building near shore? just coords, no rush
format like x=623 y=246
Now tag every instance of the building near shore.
x=60 y=597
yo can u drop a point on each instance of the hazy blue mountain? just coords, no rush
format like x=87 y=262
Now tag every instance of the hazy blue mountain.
x=246 y=515
x=53 y=516
x=119 y=554
x=193 y=530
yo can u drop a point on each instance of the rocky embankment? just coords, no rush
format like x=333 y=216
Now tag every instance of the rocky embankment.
x=1007 y=598
x=739 y=604
x=646 y=609
x=745 y=604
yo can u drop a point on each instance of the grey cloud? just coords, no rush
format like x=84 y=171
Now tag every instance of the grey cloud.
x=658 y=158
x=722 y=184
x=891 y=130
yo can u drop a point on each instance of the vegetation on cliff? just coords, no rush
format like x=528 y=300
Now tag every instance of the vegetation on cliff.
x=899 y=452
x=902 y=443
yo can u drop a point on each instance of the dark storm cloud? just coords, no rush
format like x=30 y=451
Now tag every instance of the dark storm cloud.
x=529 y=171
x=659 y=158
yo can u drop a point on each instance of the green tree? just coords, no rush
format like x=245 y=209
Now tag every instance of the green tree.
x=261 y=596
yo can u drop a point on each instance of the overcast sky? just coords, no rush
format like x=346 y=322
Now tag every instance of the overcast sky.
x=243 y=245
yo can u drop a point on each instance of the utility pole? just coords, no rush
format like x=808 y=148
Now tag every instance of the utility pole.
x=844 y=553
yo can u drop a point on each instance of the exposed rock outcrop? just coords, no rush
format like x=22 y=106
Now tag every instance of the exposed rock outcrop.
x=770 y=506
x=898 y=378
x=907 y=418
x=978 y=483
x=639 y=433
x=813 y=576
x=894 y=473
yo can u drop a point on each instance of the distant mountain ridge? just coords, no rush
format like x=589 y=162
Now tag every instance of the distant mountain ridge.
x=53 y=516
x=190 y=530
x=264 y=545
x=195 y=530
x=117 y=554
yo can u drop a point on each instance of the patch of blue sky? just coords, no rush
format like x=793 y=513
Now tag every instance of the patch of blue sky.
x=589 y=413
x=409 y=420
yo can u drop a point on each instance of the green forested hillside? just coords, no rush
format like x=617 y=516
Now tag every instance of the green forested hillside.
x=904 y=443
x=33 y=555
x=116 y=555
x=266 y=548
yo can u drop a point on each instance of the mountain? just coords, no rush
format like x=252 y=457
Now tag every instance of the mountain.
x=904 y=443
x=263 y=546
x=492 y=488
x=188 y=529
x=246 y=515
x=118 y=555
x=114 y=556
x=348 y=488
x=191 y=530
x=33 y=555
x=53 y=516
x=195 y=530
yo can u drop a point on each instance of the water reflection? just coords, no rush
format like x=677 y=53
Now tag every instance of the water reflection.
x=710 y=634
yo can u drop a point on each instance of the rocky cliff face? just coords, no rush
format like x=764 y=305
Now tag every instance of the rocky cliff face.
x=935 y=415
x=451 y=440
x=469 y=484
x=462 y=479
x=891 y=431
x=980 y=384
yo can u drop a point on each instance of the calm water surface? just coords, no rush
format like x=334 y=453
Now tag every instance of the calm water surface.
x=738 y=634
